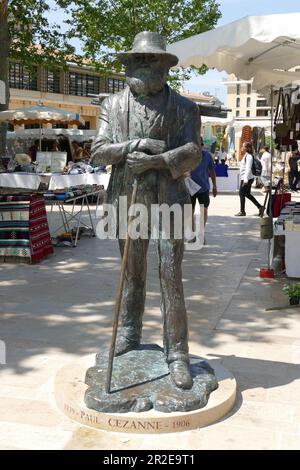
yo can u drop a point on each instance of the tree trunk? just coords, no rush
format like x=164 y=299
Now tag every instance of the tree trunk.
x=4 y=82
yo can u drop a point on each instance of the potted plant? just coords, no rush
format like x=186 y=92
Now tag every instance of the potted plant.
x=293 y=292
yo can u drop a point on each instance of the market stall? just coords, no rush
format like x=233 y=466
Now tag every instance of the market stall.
x=229 y=182
x=286 y=253
x=40 y=115
x=30 y=181
x=214 y=129
x=70 y=189
x=24 y=231
x=72 y=216
x=65 y=192
x=264 y=48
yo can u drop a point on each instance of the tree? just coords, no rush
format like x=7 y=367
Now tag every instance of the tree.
x=103 y=27
x=26 y=34
x=108 y=26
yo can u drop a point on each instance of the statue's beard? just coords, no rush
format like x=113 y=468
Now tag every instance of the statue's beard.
x=144 y=81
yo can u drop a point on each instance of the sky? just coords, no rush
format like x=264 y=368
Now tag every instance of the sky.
x=233 y=10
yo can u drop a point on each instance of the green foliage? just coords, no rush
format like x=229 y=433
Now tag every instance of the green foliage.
x=108 y=26
x=29 y=26
x=103 y=27
x=268 y=141
x=292 y=290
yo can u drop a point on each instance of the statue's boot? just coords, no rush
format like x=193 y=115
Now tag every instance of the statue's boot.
x=125 y=344
x=180 y=374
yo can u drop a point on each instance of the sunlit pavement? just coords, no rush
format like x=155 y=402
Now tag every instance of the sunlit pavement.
x=62 y=308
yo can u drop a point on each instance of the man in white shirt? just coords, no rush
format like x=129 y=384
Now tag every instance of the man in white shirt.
x=247 y=178
x=222 y=155
x=266 y=169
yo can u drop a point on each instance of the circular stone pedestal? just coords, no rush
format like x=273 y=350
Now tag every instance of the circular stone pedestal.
x=70 y=391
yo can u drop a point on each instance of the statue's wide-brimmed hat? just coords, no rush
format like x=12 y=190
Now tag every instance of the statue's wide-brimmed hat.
x=149 y=43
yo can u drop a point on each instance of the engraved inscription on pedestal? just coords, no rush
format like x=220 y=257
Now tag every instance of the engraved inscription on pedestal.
x=70 y=390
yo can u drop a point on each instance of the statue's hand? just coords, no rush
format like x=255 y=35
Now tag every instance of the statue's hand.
x=152 y=146
x=140 y=162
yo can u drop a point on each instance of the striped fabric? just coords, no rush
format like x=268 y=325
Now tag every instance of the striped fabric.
x=24 y=231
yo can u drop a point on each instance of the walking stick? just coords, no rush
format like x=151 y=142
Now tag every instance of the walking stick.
x=119 y=296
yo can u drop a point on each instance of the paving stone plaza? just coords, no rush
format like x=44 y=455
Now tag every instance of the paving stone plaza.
x=62 y=309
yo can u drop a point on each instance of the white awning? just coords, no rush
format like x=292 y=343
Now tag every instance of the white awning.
x=263 y=47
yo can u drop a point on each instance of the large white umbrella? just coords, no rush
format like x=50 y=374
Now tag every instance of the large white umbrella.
x=262 y=47
x=40 y=114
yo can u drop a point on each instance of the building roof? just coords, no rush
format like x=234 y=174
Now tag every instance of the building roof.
x=198 y=97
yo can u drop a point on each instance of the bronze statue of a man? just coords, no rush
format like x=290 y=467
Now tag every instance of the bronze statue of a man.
x=150 y=132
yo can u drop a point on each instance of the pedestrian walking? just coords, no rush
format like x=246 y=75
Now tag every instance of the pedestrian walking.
x=247 y=178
